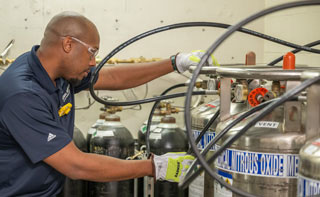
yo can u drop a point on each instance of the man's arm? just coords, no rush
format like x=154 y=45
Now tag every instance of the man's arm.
x=75 y=164
x=131 y=75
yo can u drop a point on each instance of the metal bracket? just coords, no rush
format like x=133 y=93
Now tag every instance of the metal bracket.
x=313 y=111
x=225 y=102
x=148 y=186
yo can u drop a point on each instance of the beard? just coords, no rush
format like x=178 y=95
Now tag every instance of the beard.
x=74 y=82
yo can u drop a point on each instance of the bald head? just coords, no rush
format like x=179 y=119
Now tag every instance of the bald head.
x=68 y=24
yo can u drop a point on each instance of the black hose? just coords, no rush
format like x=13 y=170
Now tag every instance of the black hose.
x=196 y=72
x=294 y=51
x=95 y=74
x=159 y=98
x=205 y=129
x=180 y=85
x=152 y=112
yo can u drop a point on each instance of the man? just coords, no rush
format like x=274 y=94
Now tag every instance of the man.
x=36 y=126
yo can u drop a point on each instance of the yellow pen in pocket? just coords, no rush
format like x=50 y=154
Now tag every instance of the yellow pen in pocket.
x=65 y=109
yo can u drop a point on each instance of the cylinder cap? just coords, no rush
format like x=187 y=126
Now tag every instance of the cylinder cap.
x=168 y=119
x=102 y=115
x=289 y=61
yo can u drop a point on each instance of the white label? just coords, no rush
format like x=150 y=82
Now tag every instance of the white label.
x=307 y=186
x=267 y=124
x=219 y=190
x=212 y=104
x=215 y=103
x=107 y=133
x=91 y=130
x=259 y=164
x=311 y=149
x=155 y=136
x=157 y=130
x=202 y=109
x=143 y=128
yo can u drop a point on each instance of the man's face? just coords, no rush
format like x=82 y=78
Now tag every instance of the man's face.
x=83 y=58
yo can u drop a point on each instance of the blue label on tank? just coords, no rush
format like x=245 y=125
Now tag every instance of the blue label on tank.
x=307 y=186
x=224 y=174
x=259 y=164
x=206 y=138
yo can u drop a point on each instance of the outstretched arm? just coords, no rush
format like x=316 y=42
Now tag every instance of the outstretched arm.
x=75 y=164
x=131 y=75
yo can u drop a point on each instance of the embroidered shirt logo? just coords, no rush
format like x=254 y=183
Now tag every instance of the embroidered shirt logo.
x=51 y=137
x=66 y=94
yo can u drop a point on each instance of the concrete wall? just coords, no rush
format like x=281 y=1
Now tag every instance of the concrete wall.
x=297 y=25
x=120 y=20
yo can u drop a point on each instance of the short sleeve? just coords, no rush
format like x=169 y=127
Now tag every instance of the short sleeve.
x=29 y=120
x=84 y=82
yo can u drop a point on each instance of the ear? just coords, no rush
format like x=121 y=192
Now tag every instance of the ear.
x=66 y=44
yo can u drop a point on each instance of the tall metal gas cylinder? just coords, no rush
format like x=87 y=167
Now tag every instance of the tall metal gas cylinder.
x=263 y=161
x=168 y=137
x=309 y=171
x=203 y=185
x=112 y=139
x=76 y=188
x=200 y=116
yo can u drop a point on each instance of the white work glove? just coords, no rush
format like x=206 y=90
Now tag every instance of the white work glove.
x=171 y=166
x=182 y=61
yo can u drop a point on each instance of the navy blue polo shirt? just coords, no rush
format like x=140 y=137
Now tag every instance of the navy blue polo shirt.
x=31 y=128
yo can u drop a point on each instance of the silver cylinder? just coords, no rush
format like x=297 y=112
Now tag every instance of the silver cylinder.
x=264 y=161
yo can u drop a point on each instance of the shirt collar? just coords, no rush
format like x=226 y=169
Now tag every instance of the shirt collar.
x=39 y=72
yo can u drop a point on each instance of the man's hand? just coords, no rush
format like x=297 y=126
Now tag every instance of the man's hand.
x=183 y=61
x=171 y=166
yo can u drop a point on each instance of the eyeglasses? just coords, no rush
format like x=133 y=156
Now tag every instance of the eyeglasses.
x=93 y=51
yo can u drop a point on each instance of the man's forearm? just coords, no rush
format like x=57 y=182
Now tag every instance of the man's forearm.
x=101 y=168
x=131 y=75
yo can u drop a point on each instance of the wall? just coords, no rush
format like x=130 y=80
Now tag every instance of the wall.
x=297 y=25
x=120 y=20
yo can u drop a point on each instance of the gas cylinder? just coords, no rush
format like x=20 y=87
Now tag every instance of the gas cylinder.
x=154 y=122
x=264 y=161
x=76 y=188
x=203 y=185
x=168 y=137
x=309 y=173
x=94 y=127
x=115 y=140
